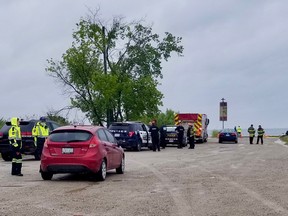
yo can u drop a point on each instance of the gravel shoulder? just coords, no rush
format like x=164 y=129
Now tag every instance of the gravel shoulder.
x=213 y=179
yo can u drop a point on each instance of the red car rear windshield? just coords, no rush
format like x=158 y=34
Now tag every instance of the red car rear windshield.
x=70 y=136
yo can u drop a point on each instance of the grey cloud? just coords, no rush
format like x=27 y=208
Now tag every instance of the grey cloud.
x=233 y=49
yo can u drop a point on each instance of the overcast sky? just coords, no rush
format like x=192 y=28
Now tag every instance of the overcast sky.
x=232 y=48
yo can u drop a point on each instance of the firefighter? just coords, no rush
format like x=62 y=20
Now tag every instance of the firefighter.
x=154 y=130
x=40 y=132
x=163 y=136
x=251 y=132
x=260 y=132
x=190 y=135
x=180 y=133
x=239 y=131
x=14 y=136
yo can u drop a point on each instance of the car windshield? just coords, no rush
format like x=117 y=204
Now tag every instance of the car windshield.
x=170 y=129
x=228 y=131
x=25 y=126
x=70 y=136
x=120 y=128
x=5 y=128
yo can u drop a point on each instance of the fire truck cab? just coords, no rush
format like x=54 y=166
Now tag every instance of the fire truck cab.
x=199 y=121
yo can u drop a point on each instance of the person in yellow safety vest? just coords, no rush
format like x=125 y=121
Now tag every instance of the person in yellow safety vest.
x=15 y=140
x=251 y=132
x=239 y=131
x=40 y=132
x=190 y=135
x=260 y=132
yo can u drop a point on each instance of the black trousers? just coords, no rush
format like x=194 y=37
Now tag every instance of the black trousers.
x=192 y=142
x=260 y=138
x=251 y=139
x=16 y=161
x=162 y=142
x=180 y=141
x=155 y=143
x=39 y=147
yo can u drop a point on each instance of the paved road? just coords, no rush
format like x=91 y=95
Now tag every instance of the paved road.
x=213 y=179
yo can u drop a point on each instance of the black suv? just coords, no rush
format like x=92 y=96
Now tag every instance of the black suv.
x=131 y=135
x=28 y=146
x=171 y=136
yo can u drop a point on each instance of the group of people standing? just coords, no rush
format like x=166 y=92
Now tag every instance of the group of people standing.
x=260 y=134
x=180 y=130
x=40 y=131
x=190 y=135
x=252 y=132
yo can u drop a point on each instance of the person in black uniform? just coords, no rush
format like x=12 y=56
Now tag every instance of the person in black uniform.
x=251 y=132
x=180 y=132
x=190 y=135
x=154 y=130
x=163 y=136
x=261 y=133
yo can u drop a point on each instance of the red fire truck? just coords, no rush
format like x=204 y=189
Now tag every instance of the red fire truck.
x=199 y=121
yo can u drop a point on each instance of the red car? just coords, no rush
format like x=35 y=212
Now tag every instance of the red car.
x=81 y=149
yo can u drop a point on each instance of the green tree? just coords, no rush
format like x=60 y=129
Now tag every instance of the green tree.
x=166 y=118
x=163 y=118
x=2 y=122
x=112 y=73
x=57 y=118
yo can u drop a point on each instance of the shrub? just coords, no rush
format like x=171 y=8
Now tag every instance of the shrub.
x=215 y=133
x=284 y=138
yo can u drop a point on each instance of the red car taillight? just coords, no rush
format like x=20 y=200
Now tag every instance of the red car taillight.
x=131 y=133
x=1 y=134
x=233 y=134
x=26 y=134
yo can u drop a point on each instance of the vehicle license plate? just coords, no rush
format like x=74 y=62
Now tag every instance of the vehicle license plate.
x=227 y=134
x=67 y=150
x=116 y=135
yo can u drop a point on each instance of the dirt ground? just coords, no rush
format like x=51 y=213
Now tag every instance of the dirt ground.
x=213 y=179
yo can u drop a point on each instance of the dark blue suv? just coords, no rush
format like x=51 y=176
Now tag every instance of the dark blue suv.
x=131 y=135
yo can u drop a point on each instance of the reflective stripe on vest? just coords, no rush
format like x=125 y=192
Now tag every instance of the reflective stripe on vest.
x=40 y=130
x=260 y=132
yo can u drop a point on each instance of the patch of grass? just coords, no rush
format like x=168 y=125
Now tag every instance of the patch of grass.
x=215 y=133
x=284 y=138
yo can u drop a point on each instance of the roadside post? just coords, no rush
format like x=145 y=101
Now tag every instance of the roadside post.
x=223 y=112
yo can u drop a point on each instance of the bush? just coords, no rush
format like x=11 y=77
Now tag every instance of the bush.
x=284 y=138
x=215 y=133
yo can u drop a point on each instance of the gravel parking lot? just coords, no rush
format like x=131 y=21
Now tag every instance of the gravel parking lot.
x=213 y=179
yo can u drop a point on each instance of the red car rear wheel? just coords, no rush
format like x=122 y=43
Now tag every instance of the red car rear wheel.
x=101 y=174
